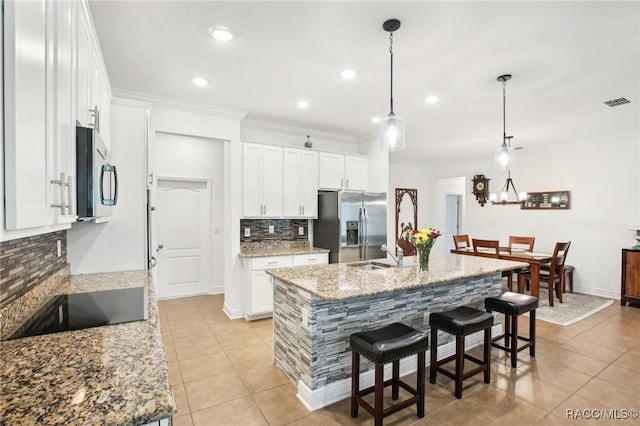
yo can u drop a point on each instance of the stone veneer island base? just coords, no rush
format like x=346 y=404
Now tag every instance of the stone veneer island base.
x=317 y=308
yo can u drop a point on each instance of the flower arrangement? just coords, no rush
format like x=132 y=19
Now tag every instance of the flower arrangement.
x=423 y=240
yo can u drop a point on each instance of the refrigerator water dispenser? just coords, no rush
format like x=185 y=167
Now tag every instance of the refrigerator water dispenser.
x=352 y=233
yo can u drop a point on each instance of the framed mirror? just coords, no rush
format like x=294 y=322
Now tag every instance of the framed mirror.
x=406 y=217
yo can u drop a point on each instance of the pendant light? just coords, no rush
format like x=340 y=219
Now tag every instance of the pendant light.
x=392 y=134
x=503 y=157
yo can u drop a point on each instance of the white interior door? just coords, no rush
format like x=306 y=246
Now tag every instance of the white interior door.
x=452 y=214
x=182 y=248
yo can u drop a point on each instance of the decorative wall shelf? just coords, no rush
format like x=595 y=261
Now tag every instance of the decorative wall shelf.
x=548 y=200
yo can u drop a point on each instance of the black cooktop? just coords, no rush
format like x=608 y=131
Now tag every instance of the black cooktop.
x=84 y=310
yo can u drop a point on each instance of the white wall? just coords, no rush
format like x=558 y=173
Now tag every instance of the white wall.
x=120 y=243
x=411 y=177
x=222 y=125
x=604 y=181
x=274 y=134
x=203 y=158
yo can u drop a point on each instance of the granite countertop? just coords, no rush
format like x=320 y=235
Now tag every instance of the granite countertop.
x=278 y=248
x=111 y=375
x=341 y=281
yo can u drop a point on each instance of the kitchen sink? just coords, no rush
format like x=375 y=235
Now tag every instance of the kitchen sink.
x=372 y=266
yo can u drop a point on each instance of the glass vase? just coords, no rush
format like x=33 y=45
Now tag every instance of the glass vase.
x=423 y=257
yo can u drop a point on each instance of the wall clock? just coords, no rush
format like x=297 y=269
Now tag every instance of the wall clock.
x=481 y=188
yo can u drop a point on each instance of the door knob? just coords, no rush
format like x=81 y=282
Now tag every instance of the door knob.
x=160 y=247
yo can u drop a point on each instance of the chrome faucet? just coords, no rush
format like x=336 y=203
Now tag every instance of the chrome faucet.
x=399 y=257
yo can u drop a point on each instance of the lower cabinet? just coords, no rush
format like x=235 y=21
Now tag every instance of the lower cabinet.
x=257 y=285
x=630 y=277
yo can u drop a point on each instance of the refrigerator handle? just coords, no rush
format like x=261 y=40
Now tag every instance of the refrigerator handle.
x=366 y=232
x=360 y=234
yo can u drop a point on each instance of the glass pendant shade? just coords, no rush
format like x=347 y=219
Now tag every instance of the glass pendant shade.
x=502 y=157
x=392 y=133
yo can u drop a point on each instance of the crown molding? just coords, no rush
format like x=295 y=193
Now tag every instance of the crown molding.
x=293 y=130
x=180 y=105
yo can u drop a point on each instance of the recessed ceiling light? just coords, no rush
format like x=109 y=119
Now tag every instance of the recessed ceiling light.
x=200 y=82
x=348 y=74
x=222 y=34
x=375 y=120
x=302 y=104
x=431 y=99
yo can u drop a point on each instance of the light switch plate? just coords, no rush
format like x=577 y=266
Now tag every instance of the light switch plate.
x=271 y=229
x=300 y=230
x=247 y=232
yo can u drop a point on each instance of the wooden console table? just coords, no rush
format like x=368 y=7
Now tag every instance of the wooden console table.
x=630 y=291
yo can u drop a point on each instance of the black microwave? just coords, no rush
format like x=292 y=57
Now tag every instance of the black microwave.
x=96 y=176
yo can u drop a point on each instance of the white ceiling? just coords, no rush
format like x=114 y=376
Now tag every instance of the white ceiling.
x=566 y=59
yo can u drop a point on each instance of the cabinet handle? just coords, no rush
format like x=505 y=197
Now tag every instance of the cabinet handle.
x=303 y=209
x=312 y=259
x=341 y=182
x=69 y=195
x=347 y=183
x=62 y=185
x=272 y=263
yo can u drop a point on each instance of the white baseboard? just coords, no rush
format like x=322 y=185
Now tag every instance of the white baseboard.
x=218 y=289
x=337 y=391
x=609 y=294
x=231 y=313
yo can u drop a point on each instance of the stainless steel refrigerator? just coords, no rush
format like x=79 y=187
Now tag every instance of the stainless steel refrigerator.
x=352 y=224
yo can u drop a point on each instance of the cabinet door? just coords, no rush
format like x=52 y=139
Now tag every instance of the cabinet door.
x=356 y=173
x=272 y=180
x=83 y=64
x=251 y=180
x=331 y=171
x=94 y=89
x=104 y=108
x=292 y=201
x=25 y=114
x=63 y=114
x=261 y=292
x=309 y=184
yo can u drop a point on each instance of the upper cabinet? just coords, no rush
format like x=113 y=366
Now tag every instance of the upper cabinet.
x=337 y=171
x=300 y=183
x=93 y=90
x=262 y=181
x=41 y=93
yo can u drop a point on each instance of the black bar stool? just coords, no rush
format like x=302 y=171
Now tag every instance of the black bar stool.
x=513 y=305
x=381 y=346
x=460 y=322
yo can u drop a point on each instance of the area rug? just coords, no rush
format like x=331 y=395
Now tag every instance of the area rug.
x=575 y=307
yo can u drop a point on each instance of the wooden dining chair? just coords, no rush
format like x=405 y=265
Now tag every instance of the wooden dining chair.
x=554 y=276
x=493 y=247
x=461 y=241
x=525 y=243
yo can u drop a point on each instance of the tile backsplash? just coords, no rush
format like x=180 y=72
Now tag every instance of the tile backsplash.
x=26 y=262
x=283 y=229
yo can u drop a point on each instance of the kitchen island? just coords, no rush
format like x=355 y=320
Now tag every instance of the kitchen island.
x=109 y=375
x=317 y=308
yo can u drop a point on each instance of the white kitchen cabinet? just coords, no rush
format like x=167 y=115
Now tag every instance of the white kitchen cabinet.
x=300 y=193
x=262 y=181
x=39 y=114
x=337 y=171
x=310 y=259
x=25 y=115
x=43 y=42
x=356 y=173
x=258 y=286
x=93 y=89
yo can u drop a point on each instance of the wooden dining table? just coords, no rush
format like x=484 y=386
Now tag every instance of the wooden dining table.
x=534 y=259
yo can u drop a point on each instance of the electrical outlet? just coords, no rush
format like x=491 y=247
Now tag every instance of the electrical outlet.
x=247 y=232
x=59 y=246
x=300 y=230
x=271 y=230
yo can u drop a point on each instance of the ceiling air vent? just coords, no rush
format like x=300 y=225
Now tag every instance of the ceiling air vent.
x=617 y=102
